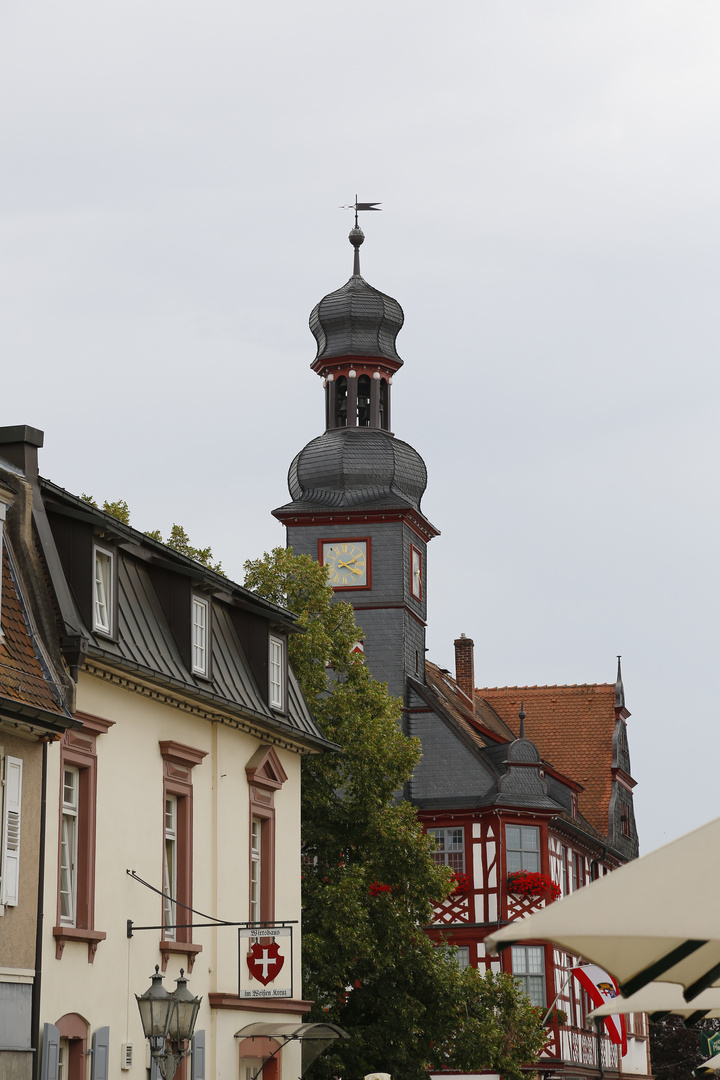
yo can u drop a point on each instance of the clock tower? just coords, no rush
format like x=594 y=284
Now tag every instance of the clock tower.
x=356 y=489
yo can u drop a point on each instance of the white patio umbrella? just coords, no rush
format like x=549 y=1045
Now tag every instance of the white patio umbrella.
x=711 y=1065
x=655 y=919
x=660 y=999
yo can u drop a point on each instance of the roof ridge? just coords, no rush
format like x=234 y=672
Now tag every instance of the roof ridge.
x=541 y=686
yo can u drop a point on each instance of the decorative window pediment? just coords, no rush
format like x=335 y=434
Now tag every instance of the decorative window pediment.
x=264 y=769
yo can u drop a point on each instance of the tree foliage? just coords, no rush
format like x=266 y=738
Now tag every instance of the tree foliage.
x=119 y=509
x=178 y=539
x=676 y=1050
x=369 y=878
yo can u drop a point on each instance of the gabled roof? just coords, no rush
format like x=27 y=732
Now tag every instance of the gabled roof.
x=28 y=691
x=484 y=725
x=573 y=727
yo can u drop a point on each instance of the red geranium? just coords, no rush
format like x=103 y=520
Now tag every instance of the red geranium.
x=376 y=889
x=523 y=883
x=460 y=883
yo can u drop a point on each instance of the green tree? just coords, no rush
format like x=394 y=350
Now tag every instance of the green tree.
x=179 y=540
x=119 y=509
x=369 y=878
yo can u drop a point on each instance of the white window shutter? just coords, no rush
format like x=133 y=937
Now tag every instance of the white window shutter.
x=51 y=1053
x=197 y=1062
x=100 y=1054
x=11 y=831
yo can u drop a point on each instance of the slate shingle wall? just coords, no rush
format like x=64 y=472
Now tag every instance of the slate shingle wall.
x=392 y=637
x=447 y=768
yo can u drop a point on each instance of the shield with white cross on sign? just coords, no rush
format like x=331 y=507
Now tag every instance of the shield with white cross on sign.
x=266 y=962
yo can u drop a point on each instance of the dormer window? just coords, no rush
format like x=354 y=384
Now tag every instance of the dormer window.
x=103 y=591
x=277 y=673
x=200 y=625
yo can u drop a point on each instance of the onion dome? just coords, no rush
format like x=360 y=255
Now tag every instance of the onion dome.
x=351 y=467
x=356 y=320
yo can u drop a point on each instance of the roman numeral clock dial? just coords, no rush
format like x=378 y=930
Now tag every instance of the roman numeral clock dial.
x=347 y=563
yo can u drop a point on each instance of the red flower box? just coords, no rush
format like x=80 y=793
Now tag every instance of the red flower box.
x=460 y=883
x=523 y=883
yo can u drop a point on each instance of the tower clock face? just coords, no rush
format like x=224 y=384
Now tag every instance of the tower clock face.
x=347 y=562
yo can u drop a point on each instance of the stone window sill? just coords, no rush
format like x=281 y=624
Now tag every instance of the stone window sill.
x=183 y=948
x=92 y=938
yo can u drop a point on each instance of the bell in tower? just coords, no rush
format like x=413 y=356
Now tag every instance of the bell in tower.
x=355 y=330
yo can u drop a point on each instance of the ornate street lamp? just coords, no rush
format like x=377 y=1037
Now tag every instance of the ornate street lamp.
x=166 y=1016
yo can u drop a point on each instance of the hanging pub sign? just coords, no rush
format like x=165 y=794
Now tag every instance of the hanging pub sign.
x=266 y=964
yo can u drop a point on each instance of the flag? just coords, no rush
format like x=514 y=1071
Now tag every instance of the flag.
x=601 y=987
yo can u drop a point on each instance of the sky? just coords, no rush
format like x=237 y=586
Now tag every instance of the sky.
x=171 y=180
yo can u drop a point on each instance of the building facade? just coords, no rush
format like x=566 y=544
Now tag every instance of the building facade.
x=172 y=798
x=547 y=793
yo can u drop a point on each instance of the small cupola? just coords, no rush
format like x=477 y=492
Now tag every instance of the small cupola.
x=355 y=328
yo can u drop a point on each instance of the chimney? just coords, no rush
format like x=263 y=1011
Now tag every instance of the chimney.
x=465 y=666
x=19 y=445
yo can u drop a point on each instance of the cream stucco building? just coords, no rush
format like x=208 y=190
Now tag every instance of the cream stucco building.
x=172 y=804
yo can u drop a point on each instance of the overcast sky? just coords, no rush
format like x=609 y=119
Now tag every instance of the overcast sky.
x=171 y=176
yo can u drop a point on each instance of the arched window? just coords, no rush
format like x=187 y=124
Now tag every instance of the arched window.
x=341 y=402
x=364 y=401
x=383 y=404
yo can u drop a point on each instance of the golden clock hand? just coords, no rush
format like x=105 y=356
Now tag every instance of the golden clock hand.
x=349 y=567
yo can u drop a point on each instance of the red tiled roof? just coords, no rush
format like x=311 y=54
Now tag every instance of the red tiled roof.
x=483 y=725
x=21 y=676
x=572 y=727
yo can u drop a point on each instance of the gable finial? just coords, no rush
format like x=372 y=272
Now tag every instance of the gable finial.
x=619 y=688
x=357 y=236
x=522 y=714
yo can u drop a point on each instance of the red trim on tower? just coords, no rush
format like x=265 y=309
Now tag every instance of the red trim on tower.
x=412 y=518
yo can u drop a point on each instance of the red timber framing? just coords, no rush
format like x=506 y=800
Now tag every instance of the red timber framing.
x=465 y=918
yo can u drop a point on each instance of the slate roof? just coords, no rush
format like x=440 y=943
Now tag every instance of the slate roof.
x=356 y=467
x=356 y=320
x=497 y=746
x=27 y=688
x=145 y=642
x=572 y=726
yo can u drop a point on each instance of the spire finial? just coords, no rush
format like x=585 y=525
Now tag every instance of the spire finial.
x=619 y=688
x=357 y=236
x=522 y=714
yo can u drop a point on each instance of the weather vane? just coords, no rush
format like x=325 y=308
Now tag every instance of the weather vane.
x=358 y=206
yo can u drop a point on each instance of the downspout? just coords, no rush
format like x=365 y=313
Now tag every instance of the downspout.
x=37 y=981
x=595 y=863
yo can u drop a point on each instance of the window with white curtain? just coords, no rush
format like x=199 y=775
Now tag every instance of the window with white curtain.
x=170 y=882
x=103 y=591
x=277 y=673
x=200 y=620
x=69 y=845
